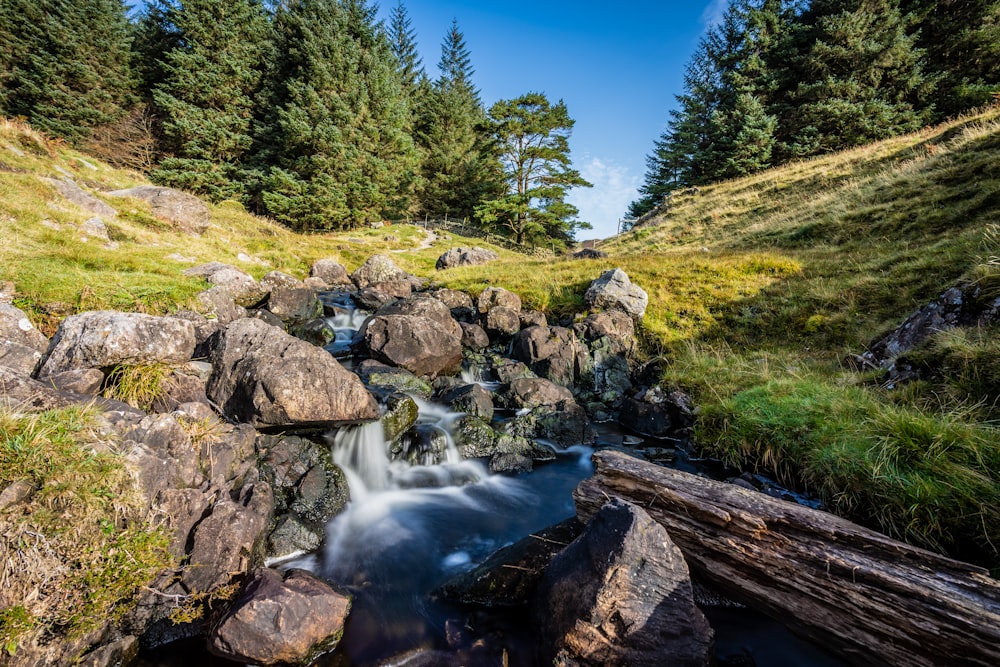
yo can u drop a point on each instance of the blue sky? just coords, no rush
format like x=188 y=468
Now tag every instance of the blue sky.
x=617 y=65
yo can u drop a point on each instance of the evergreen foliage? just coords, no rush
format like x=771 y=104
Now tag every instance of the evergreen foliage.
x=65 y=64
x=403 y=41
x=206 y=99
x=778 y=80
x=533 y=139
x=458 y=167
x=334 y=151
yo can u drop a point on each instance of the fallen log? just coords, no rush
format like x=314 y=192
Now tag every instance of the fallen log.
x=862 y=595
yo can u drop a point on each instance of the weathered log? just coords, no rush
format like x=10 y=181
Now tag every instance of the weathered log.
x=858 y=593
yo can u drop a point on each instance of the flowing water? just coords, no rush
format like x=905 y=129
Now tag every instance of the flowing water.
x=409 y=528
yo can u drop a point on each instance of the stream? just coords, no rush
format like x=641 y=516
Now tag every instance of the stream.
x=410 y=528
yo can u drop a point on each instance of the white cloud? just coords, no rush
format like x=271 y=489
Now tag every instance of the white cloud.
x=602 y=205
x=714 y=12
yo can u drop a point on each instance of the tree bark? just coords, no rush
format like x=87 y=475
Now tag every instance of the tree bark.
x=869 y=598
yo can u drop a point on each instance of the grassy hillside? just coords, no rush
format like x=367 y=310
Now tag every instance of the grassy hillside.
x=759 y=288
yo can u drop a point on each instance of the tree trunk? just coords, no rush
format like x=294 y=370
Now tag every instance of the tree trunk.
x=869 y=598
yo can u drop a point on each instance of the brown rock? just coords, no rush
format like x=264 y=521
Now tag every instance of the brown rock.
x=282 y=619
x=620 y=595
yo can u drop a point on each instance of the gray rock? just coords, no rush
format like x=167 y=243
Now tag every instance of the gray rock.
x=620 y=594
x=245 y=291
x=294 y=304
x=474 y=336
x=17 y=328
x=454 y=299
x=286 y=618
x=465 y=257
x=424 y=306
x=418 y=344
x=589 y=253
x=19 y=358
x=509 y=576
x=566 y=423
x=23 y=394
x=378 y=269
x=182 y=210
x=80 y=381
x=379 y=376
x=372 y=299
x=218 y=304
x=613 y=290
x=398 y=289
x=501 y=322
x=533 y=318
x=330 y=272
x=614 y=323
x=102 y=339
x=657 y=413
x=118 y=653
x=95 y=228
x=532 y=393
x=491 y=297
x=274 y=279
x=470 y=399
x=230 y=540
x=77 y=195
x=553 y=352
x=400 y=415
x=265 y=377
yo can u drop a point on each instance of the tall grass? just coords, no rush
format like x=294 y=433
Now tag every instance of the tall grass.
x=81 y=542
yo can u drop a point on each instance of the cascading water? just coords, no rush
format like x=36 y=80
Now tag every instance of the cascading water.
x=409 y=528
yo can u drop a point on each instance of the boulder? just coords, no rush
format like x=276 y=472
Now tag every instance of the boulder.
x=23 y=394
x=454 y=299
x=230 y=540
x=73 y=193
x=245 y=291
x=400 y=415
x=20 y=358
x=491 y=297
x=614 y=291
x=103 y=339
x=533 y=318
x=589 y=253
x=17 y=328
x=378 y=269
x=219 y=305
x=288 y=618
x=121 y=652
x=294 y=304
x=553 y=352
x=474 y=336
x=418 y=344
x=465 y=257
x=565 y=423
x=385 y=379
x=620 y=594
x=509 y=576
x=614 y=323
x=424 y=306
x=265 y=377
x=330 y=272
x=182 y=210
x=502 y=322
x=372 y=299
x=532 y=392
x=470 y=399
x=274 y=279
x=965 y=305
x=309 y=490
x=79 y=381
x=657 y=413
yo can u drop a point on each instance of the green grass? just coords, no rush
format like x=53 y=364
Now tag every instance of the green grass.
x=82 y=543
x=759 y=289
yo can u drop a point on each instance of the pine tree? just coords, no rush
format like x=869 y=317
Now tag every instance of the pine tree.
x=65 y=64
x=403 y=40
x=458 y=168
x=334 y=151
x=858 y=78
x=533 y=136
x=207 y=96
x=962 y=42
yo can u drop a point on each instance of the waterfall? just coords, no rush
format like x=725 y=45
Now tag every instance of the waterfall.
x=361 y=453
